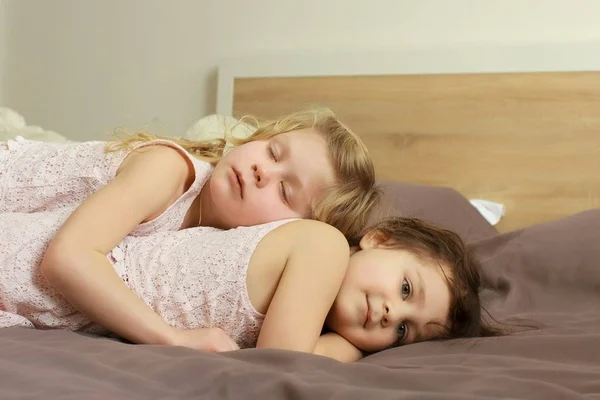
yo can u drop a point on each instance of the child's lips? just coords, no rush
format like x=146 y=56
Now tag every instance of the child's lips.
x=367 y=313
x=237 y=181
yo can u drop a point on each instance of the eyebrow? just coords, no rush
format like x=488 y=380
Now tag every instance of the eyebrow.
x=418 y=335
x=421 y=289
x=421 y=300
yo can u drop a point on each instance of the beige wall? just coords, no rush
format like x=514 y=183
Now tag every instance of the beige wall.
x=3 y=40
x=82 y=67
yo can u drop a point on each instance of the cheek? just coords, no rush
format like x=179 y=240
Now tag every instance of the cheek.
x=225 y=160
x=246 y=154
x=365 y=277
x=379 y=340
x=370 y=341
x=383 y=281
x=220 y=188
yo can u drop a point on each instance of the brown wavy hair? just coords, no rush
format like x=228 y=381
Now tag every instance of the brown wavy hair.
x=467 y=317
x=345 y=205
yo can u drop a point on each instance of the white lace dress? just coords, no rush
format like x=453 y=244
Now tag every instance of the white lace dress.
x=196 y=277
x=40 y=185
x=192 y=278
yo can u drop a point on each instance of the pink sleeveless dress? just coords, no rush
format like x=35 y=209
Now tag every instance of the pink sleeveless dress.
x=40 y=186
x=192 y=278
x=196 y=277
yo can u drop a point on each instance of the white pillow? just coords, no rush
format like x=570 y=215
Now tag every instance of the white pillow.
x=214 y=127
x=12 y=124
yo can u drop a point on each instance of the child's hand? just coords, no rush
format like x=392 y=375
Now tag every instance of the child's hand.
x=205 y=339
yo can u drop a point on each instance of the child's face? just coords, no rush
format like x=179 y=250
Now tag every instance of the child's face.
x=264 y=181
x=389 y=297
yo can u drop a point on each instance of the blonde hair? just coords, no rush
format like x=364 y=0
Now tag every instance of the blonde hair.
x=345 y=205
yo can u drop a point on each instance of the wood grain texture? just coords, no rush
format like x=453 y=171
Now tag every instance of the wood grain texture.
x=528 y=140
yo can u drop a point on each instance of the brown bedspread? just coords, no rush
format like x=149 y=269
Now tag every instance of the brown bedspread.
x=549 y=274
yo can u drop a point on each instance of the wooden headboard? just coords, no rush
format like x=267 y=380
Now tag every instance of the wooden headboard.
x=529 y=140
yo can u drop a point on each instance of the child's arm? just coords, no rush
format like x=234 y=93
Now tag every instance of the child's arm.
x=335 y=346
x=75 y=261
x=315 y=266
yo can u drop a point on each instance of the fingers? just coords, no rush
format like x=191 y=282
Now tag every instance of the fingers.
x=207 y=339
x=229 y=344
x=224 y=342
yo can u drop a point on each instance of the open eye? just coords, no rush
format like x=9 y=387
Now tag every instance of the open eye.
x=406 y=289
x=401 y=331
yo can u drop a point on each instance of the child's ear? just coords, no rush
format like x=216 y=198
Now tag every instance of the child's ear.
x=372 y=239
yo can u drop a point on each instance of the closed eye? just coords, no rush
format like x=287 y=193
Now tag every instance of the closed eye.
x=283 y=193
x=272 y=154
x=282 y=189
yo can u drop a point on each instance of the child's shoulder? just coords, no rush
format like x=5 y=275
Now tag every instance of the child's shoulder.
x=167 y=154
x=301 y=229
x=299 y=235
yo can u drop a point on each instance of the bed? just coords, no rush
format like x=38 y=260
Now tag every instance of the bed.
x=520 y=126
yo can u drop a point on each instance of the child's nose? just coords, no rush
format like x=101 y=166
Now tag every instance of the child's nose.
x=261 y=176
x=385 y=317
x=389 y=316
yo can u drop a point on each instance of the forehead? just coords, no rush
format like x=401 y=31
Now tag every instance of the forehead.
x=303 y=138
x=308 y=153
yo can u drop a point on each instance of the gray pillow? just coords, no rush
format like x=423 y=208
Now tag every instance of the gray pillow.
x=444 y=207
